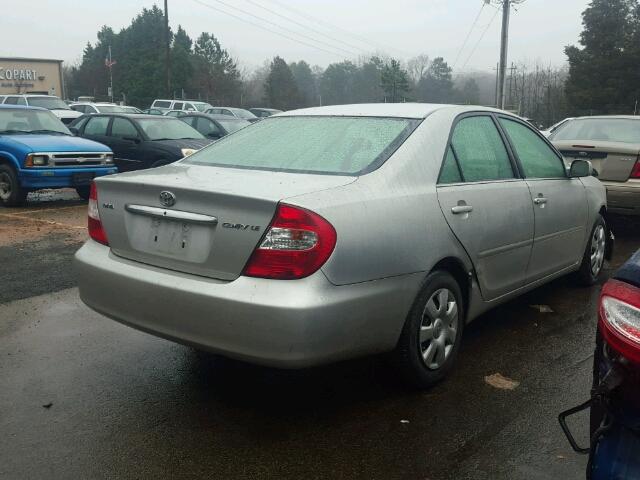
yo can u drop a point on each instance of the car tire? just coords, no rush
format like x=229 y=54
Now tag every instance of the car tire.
x=594 y=254
x=83 y=192
x=431 y=336
x=11 y=193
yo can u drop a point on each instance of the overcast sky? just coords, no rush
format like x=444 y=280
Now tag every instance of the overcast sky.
x=335 y=29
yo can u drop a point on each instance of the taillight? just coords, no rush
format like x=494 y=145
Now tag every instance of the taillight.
x=96 y=231
x=620 y=318
x=297 y=243
x=635 y=172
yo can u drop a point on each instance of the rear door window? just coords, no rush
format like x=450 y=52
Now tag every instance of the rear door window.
x=123 y=128
x=161 y=104
x=478 y=147
x=450 y=172
x=538 y=159
x=178 y=105
x=97 y=126
x=207 y=128
x=11 y=100
x=191 y=121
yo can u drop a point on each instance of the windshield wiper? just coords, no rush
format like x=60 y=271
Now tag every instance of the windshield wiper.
x=12 y=132
x=44 y=130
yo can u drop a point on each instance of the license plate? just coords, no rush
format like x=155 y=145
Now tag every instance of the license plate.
x=83 y=178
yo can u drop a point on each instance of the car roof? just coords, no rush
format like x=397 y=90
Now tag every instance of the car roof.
x=630 y=271
x=399 y=110
x=614 y=117
x=135 y=116
x=20 y=107
x=30 y=95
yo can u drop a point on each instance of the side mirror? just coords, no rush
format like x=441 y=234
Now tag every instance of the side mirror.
x=74 y=130
x=132 y=139
x=580 y=168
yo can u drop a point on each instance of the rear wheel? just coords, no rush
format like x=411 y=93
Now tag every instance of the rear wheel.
x=593 y=258
x=432 y=333
x=83 y=192
x=11 y=193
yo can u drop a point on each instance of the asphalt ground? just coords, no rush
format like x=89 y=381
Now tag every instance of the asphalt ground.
x=84 y=397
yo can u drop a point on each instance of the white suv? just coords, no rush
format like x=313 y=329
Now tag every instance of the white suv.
x=50 y=102
x=191 y=105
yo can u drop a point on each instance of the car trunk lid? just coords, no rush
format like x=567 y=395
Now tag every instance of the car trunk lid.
x=613 y=161
x=218 y=217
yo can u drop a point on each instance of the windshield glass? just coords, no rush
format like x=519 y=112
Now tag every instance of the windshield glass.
x=167 y=129
x=111 y=109
x=239 y=112
x=334 y=145
x=50 y=103
x=233 y=125
x=27 y=121
x=201 y=107
x=600 y=129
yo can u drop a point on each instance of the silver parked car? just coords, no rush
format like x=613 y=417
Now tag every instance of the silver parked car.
x=612 y=144
x=327 y=233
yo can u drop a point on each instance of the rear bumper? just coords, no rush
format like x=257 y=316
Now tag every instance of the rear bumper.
x=58 y=177
x=289 y=324
x=623 y=197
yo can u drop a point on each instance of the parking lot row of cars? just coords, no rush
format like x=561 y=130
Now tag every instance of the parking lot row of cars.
x=50 y=144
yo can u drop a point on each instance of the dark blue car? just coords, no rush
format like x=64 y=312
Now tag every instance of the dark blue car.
x=614 y=450
x=38 y=151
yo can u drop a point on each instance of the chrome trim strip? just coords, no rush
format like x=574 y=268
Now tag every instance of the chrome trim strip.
x=177 y=215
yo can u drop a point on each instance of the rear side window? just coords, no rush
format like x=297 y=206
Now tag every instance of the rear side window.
x=178 y=106
x=450 y=172
x=536 y=157
x=333 y=145
x=161 y=104
x=123 y=128
x=97 y=126
x=207 y=127
x=480 y=151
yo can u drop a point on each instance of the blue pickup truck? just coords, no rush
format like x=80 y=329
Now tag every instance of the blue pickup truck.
x=38 y=151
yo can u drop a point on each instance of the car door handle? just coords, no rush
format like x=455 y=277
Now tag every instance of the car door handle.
x=461 y=209
x=539 y=200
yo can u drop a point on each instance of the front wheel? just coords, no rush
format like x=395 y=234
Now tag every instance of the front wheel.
x=11 y=193
x=432 y=333
x=593 y=257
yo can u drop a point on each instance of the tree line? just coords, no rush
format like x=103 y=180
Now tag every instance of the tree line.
x=602 y=75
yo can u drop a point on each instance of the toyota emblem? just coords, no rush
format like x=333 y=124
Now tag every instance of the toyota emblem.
x=167 y=199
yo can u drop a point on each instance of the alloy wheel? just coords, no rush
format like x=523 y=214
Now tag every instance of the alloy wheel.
x=597 y=250
x=438 y=328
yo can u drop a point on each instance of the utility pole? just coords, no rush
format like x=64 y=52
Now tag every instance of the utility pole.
x=167 y=66
x=110 y=66
x=504 y=42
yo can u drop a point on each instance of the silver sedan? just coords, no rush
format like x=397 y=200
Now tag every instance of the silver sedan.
x=327 y=233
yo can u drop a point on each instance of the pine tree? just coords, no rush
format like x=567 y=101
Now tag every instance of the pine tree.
x=281 y=90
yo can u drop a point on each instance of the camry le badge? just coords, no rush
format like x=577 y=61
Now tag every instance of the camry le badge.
x=167 y=199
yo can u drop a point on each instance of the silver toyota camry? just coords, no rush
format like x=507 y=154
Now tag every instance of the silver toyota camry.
x=327 y=233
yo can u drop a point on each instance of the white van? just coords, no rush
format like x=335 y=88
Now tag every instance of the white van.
x=189 y=105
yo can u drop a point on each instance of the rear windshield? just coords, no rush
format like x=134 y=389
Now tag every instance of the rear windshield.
x=600 y=129
x=333 y=145
x=201 y=107
x=167 y=129
x=111 y=109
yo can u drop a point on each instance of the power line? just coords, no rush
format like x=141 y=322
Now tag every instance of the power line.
x=466 y=39
x=360 y=38
x=276 y=25
x=253 y=2
x=481 y=37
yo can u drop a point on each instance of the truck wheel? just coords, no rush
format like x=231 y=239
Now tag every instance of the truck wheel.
x=593 y=257
x=432 y=333
x=83 y=192
x=11 y=193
